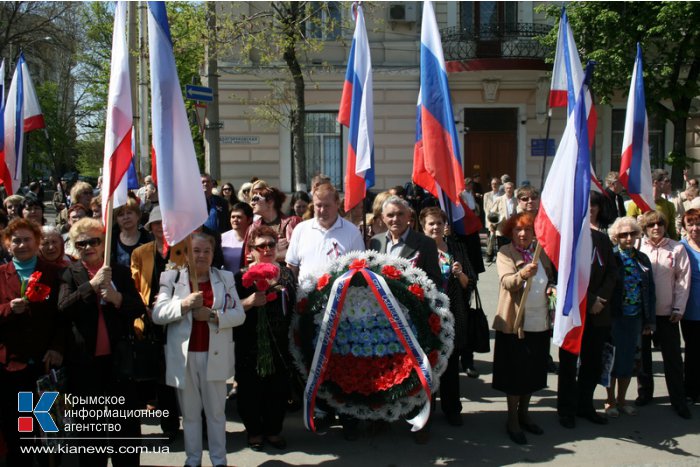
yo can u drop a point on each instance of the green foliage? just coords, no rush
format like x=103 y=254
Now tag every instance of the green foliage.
x=607 y=32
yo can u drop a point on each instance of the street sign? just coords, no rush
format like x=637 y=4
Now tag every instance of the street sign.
x=201 y=114
x=199 y=93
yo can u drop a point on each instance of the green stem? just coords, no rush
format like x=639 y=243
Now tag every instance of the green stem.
x=265 y=364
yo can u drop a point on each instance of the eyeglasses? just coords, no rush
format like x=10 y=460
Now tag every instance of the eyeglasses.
x=529 y=198
x=656 y=224
x=626 y=234
x=265 y=246
x=257 y=198
x=226 y=189
x=93 y=242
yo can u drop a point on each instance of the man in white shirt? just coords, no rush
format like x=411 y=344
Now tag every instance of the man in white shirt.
x=318 y=241
x=505 y=206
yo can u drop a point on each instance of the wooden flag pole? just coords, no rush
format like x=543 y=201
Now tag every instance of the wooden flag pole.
x=108 y=231
x=520 y=317
x=191 y=266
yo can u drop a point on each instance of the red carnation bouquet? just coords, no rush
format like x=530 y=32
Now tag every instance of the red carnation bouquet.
x=264 y=277
x=34 y=291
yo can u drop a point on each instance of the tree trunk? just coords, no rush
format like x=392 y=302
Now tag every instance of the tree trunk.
x=680 y=125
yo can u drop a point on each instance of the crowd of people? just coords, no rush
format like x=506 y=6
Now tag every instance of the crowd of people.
x=62 y=306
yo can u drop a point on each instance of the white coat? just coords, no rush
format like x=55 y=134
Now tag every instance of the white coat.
x=167 y=311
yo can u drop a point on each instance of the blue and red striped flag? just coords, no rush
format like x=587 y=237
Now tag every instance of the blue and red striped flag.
x=562 y=226
x=120 y=118
x=22 y=114
x=180 y=193
x=357 y=113
x=5 y=177
x=437 y=164
x=635 y=168
x=567 y=80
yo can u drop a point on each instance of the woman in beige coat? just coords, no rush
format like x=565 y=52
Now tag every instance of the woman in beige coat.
x=520 y=365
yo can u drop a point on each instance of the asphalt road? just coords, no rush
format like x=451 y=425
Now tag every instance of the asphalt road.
x=656 y=436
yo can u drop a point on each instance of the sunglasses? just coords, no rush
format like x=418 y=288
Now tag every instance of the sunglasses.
x=265 y=246
x=93 y=242
x=529 y=198
x=257 y=198
x=626 y=234
x=656 y=224
x=226 y=189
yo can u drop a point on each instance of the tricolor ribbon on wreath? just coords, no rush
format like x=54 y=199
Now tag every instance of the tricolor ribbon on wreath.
x=329 y=329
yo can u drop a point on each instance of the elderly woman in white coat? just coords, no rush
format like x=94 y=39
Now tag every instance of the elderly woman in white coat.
x=199 y=351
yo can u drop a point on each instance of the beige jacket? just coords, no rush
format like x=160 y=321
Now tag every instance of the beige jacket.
x=509 y=263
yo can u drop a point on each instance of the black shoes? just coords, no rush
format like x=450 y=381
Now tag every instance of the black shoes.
x=532 y=428
x=567 y=421
x=518 y=437
x=276 y=442
x=641 y=401
x=454 y=419
x=593 y=417
x=684 y=412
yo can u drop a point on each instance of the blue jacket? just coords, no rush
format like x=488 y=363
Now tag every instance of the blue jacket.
x=648 y=290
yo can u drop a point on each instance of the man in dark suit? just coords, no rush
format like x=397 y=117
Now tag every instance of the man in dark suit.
x=615 y=203
x=403 y=242
x=575 y=394
x=217 y=208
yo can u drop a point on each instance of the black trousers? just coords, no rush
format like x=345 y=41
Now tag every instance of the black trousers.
x=449 y=386
x=691 y=337
x=668 y=337
x=575 y=393
x=262 y=402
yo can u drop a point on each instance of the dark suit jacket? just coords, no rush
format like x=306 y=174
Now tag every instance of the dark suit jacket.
x=416 y=244
x=30 y=334
x=78 y=302
x=603 y=278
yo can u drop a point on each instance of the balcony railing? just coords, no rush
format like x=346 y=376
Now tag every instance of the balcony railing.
x=506 y=40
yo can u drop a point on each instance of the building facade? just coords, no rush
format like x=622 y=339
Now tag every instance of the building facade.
x=498 y=78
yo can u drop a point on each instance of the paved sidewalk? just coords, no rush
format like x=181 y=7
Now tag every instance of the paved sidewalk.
x=657 y=436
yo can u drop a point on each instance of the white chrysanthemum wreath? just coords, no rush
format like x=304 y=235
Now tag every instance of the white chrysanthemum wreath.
x=369 y=373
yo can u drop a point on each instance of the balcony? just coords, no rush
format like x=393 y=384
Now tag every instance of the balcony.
x=504 y=42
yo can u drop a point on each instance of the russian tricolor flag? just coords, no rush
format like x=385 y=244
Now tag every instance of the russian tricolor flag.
x=180 y=194
x=22 y=115
x=562 y=226
x=635 y=169
x=357 y=113
x=437 y=163
x=5 y=176
x=120 y=118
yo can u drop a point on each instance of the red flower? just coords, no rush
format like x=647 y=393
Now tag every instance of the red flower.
x=417 y=290
x=36 y=292
x=271 y=296
x=435 y=324
x=391 y=272
x=259 y=274
x=433 y=357
x=302 y=305
x=358 y=264
x=323 y=281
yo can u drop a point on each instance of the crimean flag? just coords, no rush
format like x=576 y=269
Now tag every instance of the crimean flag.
x=180 y=194
x=357 y=113
x=437 y=163
x=22 y=115
x=635 y=169
x=120 y=118
x=562 y=226
x=567 y=80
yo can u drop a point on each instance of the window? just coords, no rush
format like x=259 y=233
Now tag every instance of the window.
x=325 y=20
x=656 y=140
x=324 y=152
x=485 y=18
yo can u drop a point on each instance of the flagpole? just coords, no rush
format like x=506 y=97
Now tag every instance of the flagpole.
x=520 y=317
x=546 y=147
x=109 y=221
x=191 y=266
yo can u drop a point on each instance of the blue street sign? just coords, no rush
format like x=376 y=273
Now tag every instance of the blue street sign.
x=199 y=93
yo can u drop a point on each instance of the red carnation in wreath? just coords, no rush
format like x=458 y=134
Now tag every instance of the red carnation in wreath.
x=417 y=290
x=435 y=323
x=391 y=272
x=323 y=281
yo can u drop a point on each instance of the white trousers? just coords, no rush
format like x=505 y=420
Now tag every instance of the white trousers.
x=210 y=395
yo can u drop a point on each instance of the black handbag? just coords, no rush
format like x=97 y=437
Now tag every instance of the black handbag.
x=138 y=358
x=478 y=333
